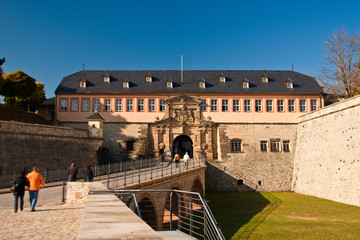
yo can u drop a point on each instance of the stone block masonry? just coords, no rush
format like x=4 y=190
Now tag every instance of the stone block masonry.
x=253 y=168
x=327 y=159
x=50 y=147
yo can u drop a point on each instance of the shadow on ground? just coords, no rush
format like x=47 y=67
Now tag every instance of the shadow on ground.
x=240 y=213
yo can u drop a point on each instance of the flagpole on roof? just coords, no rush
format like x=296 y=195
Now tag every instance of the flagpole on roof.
x=182 y=70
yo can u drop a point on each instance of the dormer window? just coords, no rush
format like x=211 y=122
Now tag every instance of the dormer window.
x=202 y=84
x=148 y=78
x=169 y=84
x=264 y=79
x=125 y=84
x=106 y=77
x=289 y=85
x=246 y=84
x=83 y=83
x=222 y=78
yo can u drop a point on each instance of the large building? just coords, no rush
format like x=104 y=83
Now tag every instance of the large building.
x=245 y=120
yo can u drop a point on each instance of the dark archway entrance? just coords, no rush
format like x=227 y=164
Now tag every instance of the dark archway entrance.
x=183 y=144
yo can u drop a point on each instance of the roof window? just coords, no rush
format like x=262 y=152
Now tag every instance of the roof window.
x=264 y=78
x=126 y=84
x=169 y=84
x=83 y=83
x=148 y=78
x=245 y=84
x=289 y=84
x=202 y=83
x=222 y=78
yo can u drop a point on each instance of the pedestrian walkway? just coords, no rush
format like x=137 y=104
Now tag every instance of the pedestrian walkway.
x=52 y=219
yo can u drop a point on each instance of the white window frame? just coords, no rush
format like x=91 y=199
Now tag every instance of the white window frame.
x=169 y=84
x=236 y=105
x=162 y=105
x=85 y=105
x=129 y=105
x=236 y=145
x=269 y=105
x=107 y=105
x=291 y=105
x=302 y=105
x=263 y=145
x=203 y=105
x=140 y=105
x=275 y=145
x=214 y=105
x=280 y=105
x=74 y=105
x=63 y=105
x=247 y=105
x=96 y=104
x=286 y=145
x=151 y=105
x=313 y=104
x=225 y=105
x=258 y=105
x=118 y=105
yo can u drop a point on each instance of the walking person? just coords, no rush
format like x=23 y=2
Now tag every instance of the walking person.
x=72 y=172
x=36 y=181
x=88 y=174
x=19 y=192
x=186 y=160
x=177 y=159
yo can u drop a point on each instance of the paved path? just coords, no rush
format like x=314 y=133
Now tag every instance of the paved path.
x=52 y=220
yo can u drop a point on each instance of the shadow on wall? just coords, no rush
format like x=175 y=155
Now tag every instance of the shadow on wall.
x=218 y=180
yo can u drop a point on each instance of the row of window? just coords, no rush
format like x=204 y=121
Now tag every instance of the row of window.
x=275 y=145
x=85 y=105
x=269 y=105
x=225 y=105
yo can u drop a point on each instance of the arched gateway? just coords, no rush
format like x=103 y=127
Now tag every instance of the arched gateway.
x=183 y=128
x=183 y=144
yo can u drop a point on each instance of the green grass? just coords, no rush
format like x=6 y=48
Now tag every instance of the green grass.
x=253 y=215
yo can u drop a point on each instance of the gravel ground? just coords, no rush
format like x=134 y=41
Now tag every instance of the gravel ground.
x=51 y=220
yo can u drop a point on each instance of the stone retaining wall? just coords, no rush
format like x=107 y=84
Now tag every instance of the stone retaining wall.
x=50 y=147
x=327 y=159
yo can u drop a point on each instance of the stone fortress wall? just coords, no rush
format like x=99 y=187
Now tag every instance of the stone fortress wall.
x=251 y=168
x=24 y=145
x=327 y=158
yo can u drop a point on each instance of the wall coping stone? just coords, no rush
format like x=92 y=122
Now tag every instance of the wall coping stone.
x=107 y=217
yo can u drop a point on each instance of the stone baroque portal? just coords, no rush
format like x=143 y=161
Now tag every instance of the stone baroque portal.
x=183 y=117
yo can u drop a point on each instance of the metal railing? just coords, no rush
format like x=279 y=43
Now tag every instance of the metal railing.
x=138 y=173
x=58 y=175
x=173 y=209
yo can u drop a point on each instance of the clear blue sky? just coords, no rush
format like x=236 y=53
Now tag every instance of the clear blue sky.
x=52 y=39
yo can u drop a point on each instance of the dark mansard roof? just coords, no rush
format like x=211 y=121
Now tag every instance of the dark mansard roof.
x=234 y=79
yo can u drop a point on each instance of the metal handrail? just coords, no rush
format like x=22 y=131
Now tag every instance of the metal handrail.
x=211 y=230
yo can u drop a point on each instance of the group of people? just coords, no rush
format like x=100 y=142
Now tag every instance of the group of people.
x=177 y=159
x=34 y=181
x=72 y=173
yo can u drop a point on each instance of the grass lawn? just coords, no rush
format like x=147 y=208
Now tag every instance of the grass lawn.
x=283 y=215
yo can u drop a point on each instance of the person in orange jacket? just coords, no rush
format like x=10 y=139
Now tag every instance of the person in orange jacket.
x=36 y=181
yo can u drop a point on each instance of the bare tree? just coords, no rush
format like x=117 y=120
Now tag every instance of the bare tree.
x=341 y=74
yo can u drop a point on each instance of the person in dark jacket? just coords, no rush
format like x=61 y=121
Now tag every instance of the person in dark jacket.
x=72 y=172
x=19 y=192
x=88 y=174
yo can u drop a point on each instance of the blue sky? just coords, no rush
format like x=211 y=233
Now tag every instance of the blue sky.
x=52 y=39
